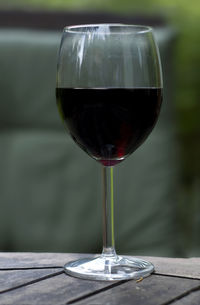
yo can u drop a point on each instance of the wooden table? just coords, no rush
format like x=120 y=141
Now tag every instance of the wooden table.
x=38 y=278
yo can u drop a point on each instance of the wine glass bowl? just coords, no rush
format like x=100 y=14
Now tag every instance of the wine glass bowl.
x=112 y=122
x=109 y=94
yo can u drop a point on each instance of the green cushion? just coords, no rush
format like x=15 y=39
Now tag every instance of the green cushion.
x=46 y=198
x=28 y=78
x=51 y=196
x=146 y=208
x=50 y=189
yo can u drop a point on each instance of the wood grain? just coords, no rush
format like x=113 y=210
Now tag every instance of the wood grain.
x=192 y=299
x=11 y=279
x=56 y=290
x=35 y=260
x=184 y=267
x=39 y=279
x=154 y=290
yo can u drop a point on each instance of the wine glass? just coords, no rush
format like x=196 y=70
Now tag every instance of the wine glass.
x=109 y=93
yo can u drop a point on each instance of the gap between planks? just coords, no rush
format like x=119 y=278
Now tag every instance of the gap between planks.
x=183 y=295
x=96 y=292
x=33 y=281
x=84 y=297
x=31 y=268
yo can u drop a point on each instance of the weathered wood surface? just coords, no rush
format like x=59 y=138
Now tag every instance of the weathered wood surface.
x=154 y=290
x=35 y=260
x=39 y=279
x=10 y=279
x=55 y=290
x=193 y=298
x=186 y=267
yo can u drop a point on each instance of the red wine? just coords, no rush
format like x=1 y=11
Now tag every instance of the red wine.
x=109 y=124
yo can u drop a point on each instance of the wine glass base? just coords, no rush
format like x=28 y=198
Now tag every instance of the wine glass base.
x=109 y=268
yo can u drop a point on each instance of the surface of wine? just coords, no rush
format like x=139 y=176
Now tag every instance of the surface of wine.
x=109 y=123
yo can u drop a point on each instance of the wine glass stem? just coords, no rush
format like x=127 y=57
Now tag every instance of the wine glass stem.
x=108 y=213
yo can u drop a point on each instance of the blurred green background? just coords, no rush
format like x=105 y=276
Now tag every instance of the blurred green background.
x=184 y=16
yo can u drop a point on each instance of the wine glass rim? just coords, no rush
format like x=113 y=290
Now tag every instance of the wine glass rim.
x=103 y=27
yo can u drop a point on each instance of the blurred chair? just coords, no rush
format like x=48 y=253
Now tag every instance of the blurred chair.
x=50 y=190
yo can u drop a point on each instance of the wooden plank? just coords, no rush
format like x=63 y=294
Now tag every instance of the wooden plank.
x=184 y=267
x=154 y=290
x=35 y=260
x=193 y=298
x=15 y=278
x=55 y=290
